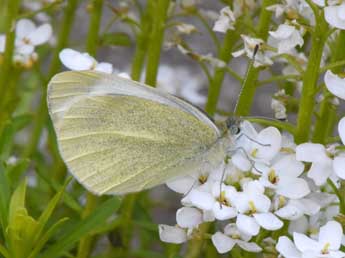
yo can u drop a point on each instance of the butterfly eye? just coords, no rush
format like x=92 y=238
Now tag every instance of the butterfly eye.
x=234 y=129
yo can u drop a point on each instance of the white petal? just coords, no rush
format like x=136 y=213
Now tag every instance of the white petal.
x=202 y=200
x=253 y=187
x=25 y=49
x=268 y=221
x=222 y=242
x=75 y=60
x=249 y=247
x=24 y=27
x=319 y=2
x=289 y=166
x=339 y=166
x=240 y=160
x=287 y=248
x=2 y=43
x=333 y=18
x=208 y=216
x=331 y=233
x=40 y=35
x=300 y=225
x=188 y=217
x=241 y=202
x=262 y=202
x=223 y=212
x=341 y=129
x=335 y=84
x=319 y=172
x=232 y=231
x=104 y=67
x=289 y=212
x=247 y=225
x=293 y=188
x=304 y=243
x=283 y=32
x=182 y=184
x=269 y=136
x=171 y=234
x=311 y=152
x=308 y=206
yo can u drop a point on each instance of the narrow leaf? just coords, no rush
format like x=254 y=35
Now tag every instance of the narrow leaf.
x=82 y=228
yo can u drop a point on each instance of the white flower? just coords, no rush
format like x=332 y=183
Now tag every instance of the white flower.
x=225 y=21
x=262 y=146
x=224 y=242
x=295 y=209
x=335 y=16
x=286 y=38
x=28 y=36
x=283 y=176
x=279 y=109
x=172 y=234
x=261 y=58
x=188 y=217
x=323 y=166
x=327 y=245
x=319 y=2
x=77 y=61
x=335 y=84
x=253 y=206
x=208 y=197
x=341 y=130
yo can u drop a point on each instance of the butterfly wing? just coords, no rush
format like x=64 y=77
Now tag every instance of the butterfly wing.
x=68 y=87
x=118 y=136
x=118 y=144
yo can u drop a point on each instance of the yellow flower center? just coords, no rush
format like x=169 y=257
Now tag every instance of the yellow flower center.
x=325 y=248
x=222 y=199
x=272 y=176
x=252 y=207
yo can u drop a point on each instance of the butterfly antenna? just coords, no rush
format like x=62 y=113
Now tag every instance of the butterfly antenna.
x=250 y=66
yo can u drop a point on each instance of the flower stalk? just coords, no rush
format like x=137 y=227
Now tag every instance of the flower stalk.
x=246 y=97
x=310 y=78
x=156 y=41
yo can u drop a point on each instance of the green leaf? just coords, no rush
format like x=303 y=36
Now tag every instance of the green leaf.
x=116 y=39
x=43 y=219
x=4 y=198
x=82 y=228
x=4 y=252
x=17 y=202
x=15 y=171
x=46 y=236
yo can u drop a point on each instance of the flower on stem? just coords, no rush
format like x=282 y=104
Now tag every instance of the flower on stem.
x=327 y=245
x=77 y=61
x=224 y=242
x=28 y=36
x=225 y=21
x=335 y=84
x=172 y=234
x=261 y=58
x=285 y=38
x=335 y=16
x=185 y=28
x=253 y=207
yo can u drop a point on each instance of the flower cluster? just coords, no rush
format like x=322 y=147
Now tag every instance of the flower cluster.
x=28 y=37
x=268 y=180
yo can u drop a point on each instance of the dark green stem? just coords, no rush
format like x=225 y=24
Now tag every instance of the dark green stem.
x=249 y=86
x=142 y=42
x=156 y=41
x=325 y=121
x=10 y=16
x=216 y=82
x=310 y=78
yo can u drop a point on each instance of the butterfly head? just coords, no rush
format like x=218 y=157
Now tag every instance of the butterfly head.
x=233 y=125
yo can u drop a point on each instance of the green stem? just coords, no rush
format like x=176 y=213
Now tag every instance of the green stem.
x=216 y=82
x=338 y=194
x=142 y=42
x=195 y=245
x=42 y=114
x=331 y=66
x=156 y=41
x=10 y=16
x=325 y=121
x=96 y=6
x=279 y=78
x=126 y=219
x=248 y=90
x=310 y=78
x=272 y=122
